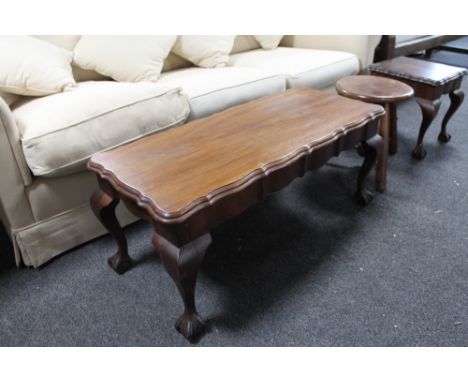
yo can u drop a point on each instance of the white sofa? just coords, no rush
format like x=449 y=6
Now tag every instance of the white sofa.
x=45 y=141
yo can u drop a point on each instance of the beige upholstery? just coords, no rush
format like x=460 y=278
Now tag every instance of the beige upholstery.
x=46 y=216
x=269 y=41
x=69 y=42
x=213 y=90
x=65 y=191
x=206 y=51
x=60 y=132
x=243 y=43
x=14 y=205
x=32 y=67
x=302 y=67
x=174 y=62
x=39 y=242
x=362 y=46
x=124 y=58
x=9 y=98
x=12 y=143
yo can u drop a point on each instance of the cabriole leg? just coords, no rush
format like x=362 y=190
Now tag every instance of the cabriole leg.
x=456 y=99
x=183 y=264
x=103 y=207
x=429 y=111
x=372 y=149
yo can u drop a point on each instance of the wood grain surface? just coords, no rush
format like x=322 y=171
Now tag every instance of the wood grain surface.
x=175 y=173
x=368 y=88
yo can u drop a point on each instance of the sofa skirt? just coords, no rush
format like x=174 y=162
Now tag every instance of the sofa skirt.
x=38 y=243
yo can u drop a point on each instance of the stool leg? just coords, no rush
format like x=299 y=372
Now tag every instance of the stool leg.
x=429 y=111
x=456 y=99
x=381 y=171
x=393 y=142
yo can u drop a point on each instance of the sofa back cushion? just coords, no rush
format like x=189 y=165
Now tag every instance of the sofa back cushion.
x=244 y=42
x=174 y=62
x=34 y=68
x=124 y=58
x=69 y=42
x=207 y=51
x=269 y=41
x=9 y=98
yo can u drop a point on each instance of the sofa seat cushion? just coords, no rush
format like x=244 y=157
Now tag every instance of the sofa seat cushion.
x=60 y=132
x=302 y=67
x=213 y=90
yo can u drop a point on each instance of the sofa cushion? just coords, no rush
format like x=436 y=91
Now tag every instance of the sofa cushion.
x=269 y=41
x=213 y=90
x=9 y=98
x=69 y=42
x=60 y=132
x=302 y=67
x=174 y=62
x=124 y=58
x=244 y=42
x=33 y=68
x=205 y=51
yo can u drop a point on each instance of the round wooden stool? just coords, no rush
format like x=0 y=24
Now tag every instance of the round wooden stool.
x=385 y=92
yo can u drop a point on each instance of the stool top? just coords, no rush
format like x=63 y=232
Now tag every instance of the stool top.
x=374 y=89
x=426 y=72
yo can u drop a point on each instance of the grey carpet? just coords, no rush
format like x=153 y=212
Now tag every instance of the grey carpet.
x=306 y=267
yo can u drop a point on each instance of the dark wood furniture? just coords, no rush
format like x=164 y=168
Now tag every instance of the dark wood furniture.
x=187 y=179
x=385 y=92
x=389 y=48
x=430 y=81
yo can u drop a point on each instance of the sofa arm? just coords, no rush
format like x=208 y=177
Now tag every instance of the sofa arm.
x=15 y=174
x=362 y=46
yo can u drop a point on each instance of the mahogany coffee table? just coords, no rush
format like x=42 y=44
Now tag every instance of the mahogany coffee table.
x=189 y=178
x=430 y=80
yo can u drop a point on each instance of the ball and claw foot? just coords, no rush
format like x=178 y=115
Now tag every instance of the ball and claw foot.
x=120 y=264
x=363 y=198
x=444 y=137
x=419 y=152
x=190 y=325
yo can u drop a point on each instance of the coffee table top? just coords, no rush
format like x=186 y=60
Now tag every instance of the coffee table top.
x=175 y=173
x=374 y=89
x=426 y=72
